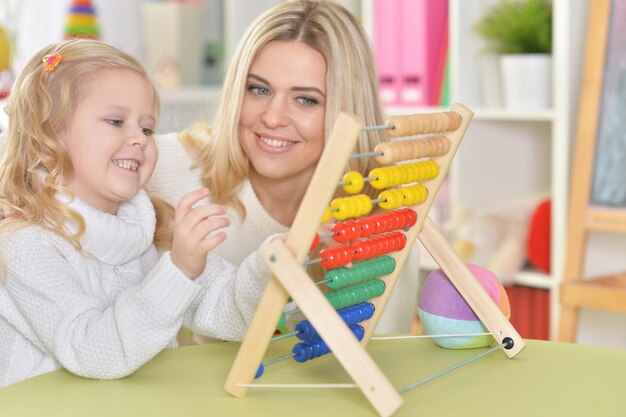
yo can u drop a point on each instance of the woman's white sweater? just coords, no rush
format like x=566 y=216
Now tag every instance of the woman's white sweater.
x=176 y=175
x=106 y=310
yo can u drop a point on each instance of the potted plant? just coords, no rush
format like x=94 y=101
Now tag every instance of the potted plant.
x=520 y=33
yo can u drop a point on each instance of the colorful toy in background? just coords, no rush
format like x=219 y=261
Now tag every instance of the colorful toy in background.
x=6 y=75
x=81 y=21
x=443 y=311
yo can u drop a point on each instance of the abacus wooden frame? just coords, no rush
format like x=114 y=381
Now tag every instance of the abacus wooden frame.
x=285 y=260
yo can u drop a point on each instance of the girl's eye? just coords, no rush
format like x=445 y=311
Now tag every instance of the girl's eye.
x=307 y=101
x=146 y=131
x=115 y=122
x=258 y=90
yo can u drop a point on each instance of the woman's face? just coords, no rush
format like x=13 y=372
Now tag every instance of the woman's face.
x=281 y=129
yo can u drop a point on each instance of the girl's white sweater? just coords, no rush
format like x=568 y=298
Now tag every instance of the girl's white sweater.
x=106 y=310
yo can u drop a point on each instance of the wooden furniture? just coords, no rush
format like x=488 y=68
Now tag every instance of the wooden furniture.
x=607 y=292
x=286 y=259
x=549 y=379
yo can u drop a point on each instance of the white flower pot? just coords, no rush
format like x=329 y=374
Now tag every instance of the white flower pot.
x=527 y=81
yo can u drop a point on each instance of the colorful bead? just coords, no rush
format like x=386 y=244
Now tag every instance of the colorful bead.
x=353 y=182
x=327 y=215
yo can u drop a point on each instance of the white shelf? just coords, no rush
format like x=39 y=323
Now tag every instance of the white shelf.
x=534 y=279
x=507 y=155
x=189 y=94
x=482 y=113
x=185 y=106
x=503 y=115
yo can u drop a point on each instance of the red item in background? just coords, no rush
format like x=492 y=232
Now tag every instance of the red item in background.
x=530 y=311
x=538 y=243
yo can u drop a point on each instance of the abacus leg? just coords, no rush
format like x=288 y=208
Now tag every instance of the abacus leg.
x=352 y=355
x=259 y=334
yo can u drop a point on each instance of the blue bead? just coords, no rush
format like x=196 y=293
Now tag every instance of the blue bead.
x=259 y=371
x=300 y=353
x=305 y=330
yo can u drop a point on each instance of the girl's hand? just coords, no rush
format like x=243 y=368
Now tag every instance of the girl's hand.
x=193 y=232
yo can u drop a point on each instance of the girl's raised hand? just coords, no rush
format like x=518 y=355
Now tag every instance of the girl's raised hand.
x=194 y=233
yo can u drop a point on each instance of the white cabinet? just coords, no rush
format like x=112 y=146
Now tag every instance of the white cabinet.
x=508 y=155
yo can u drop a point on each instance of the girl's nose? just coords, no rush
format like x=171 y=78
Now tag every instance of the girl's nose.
x=138 y=138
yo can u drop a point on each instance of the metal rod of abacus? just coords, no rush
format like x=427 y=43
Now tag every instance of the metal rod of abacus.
x=284 y=336
x=365 y=154
x=365 y=179
x=278 y=359
x=377 y=127
x=506 y=344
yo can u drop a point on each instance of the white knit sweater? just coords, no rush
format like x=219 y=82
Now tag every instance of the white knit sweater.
x=174 y=177
x=105 y=311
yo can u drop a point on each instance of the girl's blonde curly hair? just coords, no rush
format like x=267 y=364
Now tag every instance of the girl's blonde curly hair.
x=35 y=163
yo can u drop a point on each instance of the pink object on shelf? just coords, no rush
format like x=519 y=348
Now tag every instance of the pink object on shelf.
x=387 y=37
x=411 y=46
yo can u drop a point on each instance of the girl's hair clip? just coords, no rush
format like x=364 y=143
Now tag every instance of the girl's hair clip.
x=52 y=61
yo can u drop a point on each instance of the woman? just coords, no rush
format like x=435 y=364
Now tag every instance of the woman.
x=298 y=65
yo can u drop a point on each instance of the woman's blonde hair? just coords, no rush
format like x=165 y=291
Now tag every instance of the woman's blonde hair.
x=35 y=164
x=351 y=86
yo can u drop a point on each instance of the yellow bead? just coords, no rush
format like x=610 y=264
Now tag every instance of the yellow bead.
x=353 y=182
x=418 y=195
x=353 y=205
x=395 y=176
x=406 y=174
x=423 y=194
x=380 y=178
x=409 y=196
x=420 y=172
x=391 y=199
x=341 y=208
x=415 y=173
x=326 y=216
x=435 y=169
x=367 y=204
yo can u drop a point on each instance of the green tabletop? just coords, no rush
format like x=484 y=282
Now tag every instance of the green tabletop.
x=545 y=379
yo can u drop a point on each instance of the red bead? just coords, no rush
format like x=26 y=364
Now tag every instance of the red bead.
x=392 y=221
x=359 y=250
x=316 y=242
x=355 y=229
x=345 y=255
x=381 y=224
x=329 y=257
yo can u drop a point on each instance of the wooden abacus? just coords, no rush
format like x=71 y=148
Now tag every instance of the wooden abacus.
x=286 y=259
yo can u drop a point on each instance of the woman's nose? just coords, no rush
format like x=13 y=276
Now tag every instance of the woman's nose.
x=276 y=113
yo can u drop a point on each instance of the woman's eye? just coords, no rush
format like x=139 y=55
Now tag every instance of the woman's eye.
x=307 y=101
x=115 y=122
x=146 y=131
x=258 y=90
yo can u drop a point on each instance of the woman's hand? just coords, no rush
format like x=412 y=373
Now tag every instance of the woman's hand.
x=193 y=232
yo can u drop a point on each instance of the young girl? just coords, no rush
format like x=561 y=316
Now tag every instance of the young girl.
x=81 y=284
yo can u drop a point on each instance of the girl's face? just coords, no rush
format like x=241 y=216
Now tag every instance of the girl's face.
x=281 y=129
x=109 y=138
